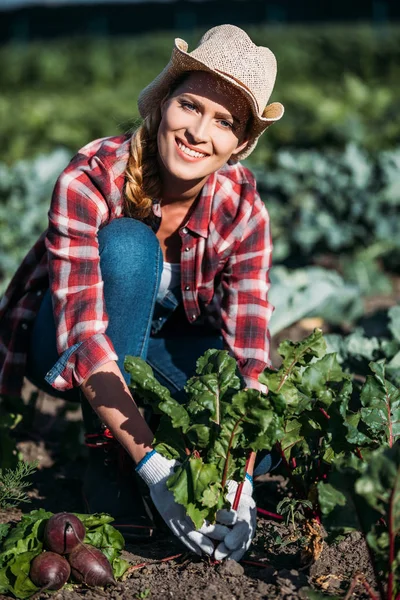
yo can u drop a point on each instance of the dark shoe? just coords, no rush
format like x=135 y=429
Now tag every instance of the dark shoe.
x=110 y=483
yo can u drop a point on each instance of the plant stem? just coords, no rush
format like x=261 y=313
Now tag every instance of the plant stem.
x=228 y=452
x=358 y=578
x=241 y=484
x=267 y=513
x=323 y=411
x=358 y=452
x=390 y=592
x=288 y=468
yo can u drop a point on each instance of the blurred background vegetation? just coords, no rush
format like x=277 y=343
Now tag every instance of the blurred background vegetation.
x=328 y=171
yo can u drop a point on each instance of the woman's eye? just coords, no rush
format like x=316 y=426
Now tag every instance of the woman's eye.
x=188 y=105
x=226 y=124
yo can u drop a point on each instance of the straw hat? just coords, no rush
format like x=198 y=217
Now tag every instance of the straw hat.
x=228 y=52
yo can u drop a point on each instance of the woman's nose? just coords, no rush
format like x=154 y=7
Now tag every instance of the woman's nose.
x=199 y=130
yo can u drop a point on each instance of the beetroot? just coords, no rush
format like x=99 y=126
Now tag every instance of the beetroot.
x=90 y=566
x=49 y=571
x=63 y=532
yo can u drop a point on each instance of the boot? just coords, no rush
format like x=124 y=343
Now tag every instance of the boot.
x=110 y=483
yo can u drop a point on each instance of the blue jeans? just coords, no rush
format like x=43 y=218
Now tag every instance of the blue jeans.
x=131 y=265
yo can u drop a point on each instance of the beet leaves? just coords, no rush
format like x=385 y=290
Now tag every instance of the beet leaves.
x=25 y=541
x=211 y=433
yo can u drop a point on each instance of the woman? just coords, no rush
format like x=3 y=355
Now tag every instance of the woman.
x=158 y=246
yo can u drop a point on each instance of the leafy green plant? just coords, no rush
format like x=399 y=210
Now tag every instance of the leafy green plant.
x=326 y=104
x=308 y=292
x=366 y=496
x=22 y=543
x=326 y=418
x=292 y=509
x=25 y=193
x=335 y=202
x=13 y=484
x=211 y=433
x=356 y=350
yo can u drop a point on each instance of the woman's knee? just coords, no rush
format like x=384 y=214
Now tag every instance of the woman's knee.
x=128 y=246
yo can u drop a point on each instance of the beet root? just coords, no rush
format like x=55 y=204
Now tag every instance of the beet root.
x=90 y=566
x=49 y=571
x=63 y=532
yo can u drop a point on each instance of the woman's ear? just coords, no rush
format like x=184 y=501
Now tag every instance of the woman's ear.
x=239 y=148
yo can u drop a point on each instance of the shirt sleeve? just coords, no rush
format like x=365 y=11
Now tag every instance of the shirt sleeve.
x=77 y=210
x=245 y=310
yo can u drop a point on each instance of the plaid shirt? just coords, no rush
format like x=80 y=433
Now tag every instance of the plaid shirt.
x=225 y=259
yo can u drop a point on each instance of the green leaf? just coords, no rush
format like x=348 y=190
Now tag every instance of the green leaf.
x=301 y=353
x=394 y=325
x=26 y=536
x=379 y=487
x=343 y=510
x=169 y=441
x=21 y=585
x=316 y=377
x=219 y=362
x=107 y=539
x=216 y=380
x=95 y=519
x=152 y=392
x=4 y=529
x=189 y=483
x=381 y=406
x=296 y=355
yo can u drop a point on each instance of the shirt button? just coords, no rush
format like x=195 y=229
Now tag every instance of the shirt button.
x=187 y=249
x=39 y=293
x=24 y=326
x=185 y=230
x=187 y=287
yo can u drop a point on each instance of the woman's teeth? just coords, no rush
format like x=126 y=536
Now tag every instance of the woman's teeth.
x=190 y=152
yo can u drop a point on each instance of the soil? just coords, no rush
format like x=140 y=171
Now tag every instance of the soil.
x=275 y=567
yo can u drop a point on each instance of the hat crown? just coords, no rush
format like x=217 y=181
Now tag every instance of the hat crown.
x=229 y=50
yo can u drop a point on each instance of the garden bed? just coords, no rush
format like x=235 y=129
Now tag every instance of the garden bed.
x=274 y=567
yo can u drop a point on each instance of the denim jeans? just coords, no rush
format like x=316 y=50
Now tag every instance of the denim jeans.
x=131 y=265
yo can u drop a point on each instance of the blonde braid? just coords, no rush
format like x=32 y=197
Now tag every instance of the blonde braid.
x=143 y=182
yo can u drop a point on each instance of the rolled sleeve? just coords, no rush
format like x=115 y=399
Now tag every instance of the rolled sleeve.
x=79 y=361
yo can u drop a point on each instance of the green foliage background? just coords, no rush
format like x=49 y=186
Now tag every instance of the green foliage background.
x=338 y=84
x=328 y=171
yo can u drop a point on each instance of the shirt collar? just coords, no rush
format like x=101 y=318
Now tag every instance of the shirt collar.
x=200 y=216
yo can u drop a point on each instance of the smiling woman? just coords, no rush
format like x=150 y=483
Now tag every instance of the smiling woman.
x=158 y=246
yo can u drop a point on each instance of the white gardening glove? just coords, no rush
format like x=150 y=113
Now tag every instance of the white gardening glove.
x=242 y=522
x=155 y=469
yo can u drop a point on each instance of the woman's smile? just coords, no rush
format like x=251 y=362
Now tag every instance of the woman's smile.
x=188 y=152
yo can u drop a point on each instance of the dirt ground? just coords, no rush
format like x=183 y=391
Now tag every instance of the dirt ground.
x=273 y=568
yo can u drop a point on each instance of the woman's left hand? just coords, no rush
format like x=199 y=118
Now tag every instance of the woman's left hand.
x=242 y=522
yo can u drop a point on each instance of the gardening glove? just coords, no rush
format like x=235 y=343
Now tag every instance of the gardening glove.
x=155 y=469
x=242 y=522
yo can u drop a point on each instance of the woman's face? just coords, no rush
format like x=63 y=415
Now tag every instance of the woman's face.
x=203 y=124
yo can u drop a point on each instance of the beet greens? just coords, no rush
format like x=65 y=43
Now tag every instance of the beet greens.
x=211 y=433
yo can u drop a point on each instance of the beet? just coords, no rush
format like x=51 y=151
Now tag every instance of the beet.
x=63 y=532
x=49 y=571
x=89 y=565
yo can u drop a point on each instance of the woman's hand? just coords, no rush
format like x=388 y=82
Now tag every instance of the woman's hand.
x=242 y=522
x=155 y=469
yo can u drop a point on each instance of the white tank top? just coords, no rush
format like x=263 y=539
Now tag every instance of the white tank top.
x=170 y=278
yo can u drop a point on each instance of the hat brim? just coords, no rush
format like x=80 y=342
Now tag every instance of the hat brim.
x=182 y=62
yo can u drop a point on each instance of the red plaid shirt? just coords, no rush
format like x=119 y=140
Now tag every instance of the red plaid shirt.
x=225 y=259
